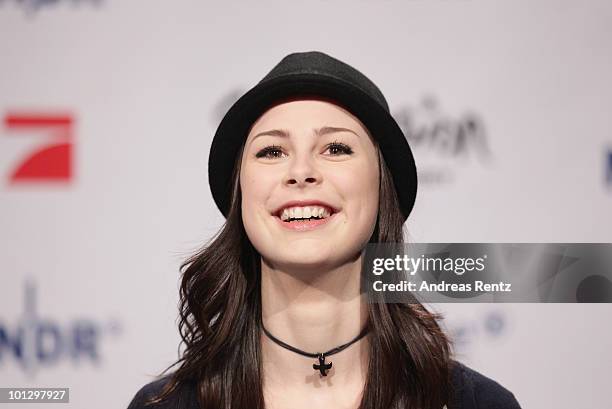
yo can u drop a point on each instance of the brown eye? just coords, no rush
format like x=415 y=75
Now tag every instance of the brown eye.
x=270 y=152
x=338 y=148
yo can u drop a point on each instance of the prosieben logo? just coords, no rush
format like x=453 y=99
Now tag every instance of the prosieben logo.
x=51 y=159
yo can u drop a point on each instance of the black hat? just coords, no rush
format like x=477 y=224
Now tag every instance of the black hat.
x=312 y=73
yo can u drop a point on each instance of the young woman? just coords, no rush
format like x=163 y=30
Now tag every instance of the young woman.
x=308 y=167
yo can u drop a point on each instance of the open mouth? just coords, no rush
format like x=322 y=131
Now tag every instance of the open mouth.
x=304 y=213
x=305 y=217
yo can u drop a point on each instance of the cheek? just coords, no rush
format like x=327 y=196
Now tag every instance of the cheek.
x=359 y=188
x=256 y=187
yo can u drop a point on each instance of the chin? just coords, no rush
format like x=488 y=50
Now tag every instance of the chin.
x=304 y=261
x=310 y=258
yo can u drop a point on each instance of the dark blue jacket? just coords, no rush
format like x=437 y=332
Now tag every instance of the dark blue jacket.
x=472 y=391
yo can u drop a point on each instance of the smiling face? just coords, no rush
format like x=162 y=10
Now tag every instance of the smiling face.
x=309 y=159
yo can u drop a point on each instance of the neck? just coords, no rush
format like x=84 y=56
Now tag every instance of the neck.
x=314 y=312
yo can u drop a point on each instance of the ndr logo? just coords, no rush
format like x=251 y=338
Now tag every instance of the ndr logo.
x=37 y=341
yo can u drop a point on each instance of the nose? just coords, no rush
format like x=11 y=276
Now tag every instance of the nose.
x=302 y=172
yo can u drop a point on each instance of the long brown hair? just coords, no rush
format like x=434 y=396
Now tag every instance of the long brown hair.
x=220 y=325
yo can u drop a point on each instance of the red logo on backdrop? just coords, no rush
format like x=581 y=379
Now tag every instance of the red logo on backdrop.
x=51 y=162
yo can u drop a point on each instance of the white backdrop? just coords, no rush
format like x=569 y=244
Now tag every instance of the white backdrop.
x=93 y=228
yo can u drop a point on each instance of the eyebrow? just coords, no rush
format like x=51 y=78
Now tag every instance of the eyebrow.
x=283 y=133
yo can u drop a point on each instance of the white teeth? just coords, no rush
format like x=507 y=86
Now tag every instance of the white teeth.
x=304 y=212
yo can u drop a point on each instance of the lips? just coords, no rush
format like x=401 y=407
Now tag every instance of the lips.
x=306 y=224
x=293 y=203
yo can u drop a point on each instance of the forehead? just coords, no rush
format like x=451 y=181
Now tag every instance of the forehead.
x=307 y=113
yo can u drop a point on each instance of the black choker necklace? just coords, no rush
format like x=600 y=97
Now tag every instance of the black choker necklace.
x=321 y=366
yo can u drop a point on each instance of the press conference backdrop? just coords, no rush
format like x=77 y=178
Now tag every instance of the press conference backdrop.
x=109 y=107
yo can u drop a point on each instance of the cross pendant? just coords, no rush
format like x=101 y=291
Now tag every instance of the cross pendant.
x=322 y=366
